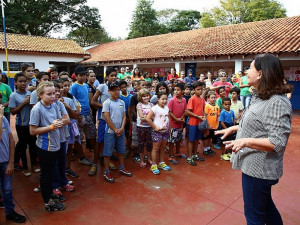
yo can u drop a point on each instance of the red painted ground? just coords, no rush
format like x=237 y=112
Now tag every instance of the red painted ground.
x=209 y=193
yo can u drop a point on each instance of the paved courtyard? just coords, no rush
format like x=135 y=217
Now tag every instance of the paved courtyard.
x=209 y=193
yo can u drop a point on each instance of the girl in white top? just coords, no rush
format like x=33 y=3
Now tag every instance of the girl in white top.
x=158 y=119
x=143 y=128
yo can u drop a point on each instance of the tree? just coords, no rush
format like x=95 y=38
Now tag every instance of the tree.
x=89 y=36
x=241 y=11
x=39 y=17
x=144 y=20
x=207 y=20
x=264 y=10
x=183 y=20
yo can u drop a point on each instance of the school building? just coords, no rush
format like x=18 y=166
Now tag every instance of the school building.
x=230 y=47
x=40 y=52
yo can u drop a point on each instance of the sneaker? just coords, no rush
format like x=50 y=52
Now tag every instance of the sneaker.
x=172 y=160
x=191 y=161
x=225 y=157
x=1 y=204
x=18 y=167
x=125 y=172
x=54 y=205
x=145 y=157
x=114 y=158
x=68 y=188
x=164 y=166
x=216 y=146
x=37 y=170
x=86 y=162
x=71 y=173
x=70 y=182
x=16 y=217
x=209 y=152
x=26 y=173
x=93 y=170
x=112 y=166
x=37 y=189
x=197 y=158
x=57 y=192
x=59 y=198
x=136 y=159
x=154 y=169
x=109 y=178
x=180 y=155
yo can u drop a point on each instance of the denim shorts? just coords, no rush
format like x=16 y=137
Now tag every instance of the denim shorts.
x=111 y=142
x=194 y=133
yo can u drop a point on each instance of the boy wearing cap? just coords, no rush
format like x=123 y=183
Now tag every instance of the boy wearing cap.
x=80 y=91
x=114 y=137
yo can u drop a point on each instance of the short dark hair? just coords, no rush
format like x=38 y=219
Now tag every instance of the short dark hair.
x=161 y=94
x=180 y=85
x=219 y=89
x=16 y=77
x=122 y=82
x=235 y=89
x=271 y=82
x=198 y=83
x=110 y=70
x=226 y=99
x=148 y=84
x=25 y=66
x=187 y=86
x=53 y=69
x=41 y=74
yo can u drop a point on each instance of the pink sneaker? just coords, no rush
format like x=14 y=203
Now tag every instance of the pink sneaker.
x=68 y=188
x=57 y=192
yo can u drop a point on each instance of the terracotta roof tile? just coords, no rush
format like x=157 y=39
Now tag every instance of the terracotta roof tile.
x=273 y=36
x=18 y=42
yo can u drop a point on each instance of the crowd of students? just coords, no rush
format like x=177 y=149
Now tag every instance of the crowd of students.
x=128 y=114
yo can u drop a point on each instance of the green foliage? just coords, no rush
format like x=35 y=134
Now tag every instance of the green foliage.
x=85 y=36
x=39 y=17
x=144 y=20
x=241 y=11
x=264 y=10
x=184 y=20
x=206 y=20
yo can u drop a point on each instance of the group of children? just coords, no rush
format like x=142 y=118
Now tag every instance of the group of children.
x=134 y=114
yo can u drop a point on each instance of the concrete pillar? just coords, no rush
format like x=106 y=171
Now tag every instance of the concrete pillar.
x=178 y=68
x=238 y=65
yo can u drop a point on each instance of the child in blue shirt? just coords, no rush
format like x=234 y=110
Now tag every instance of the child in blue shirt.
x=114 y=137
x=226 y=120
x=7 y=146
x=80 y=91
x=45 y=122
x=19 y=106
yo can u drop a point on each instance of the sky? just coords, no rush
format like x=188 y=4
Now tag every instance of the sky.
x=116 y=14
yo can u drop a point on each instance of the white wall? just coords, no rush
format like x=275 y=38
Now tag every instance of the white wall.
x=41 y=60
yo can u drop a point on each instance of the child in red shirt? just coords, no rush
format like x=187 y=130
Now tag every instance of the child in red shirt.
x=195 y=110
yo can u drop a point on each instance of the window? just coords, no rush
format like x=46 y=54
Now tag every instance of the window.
x=16 y=66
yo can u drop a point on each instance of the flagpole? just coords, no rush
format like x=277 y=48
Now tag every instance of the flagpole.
x=5 y=42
